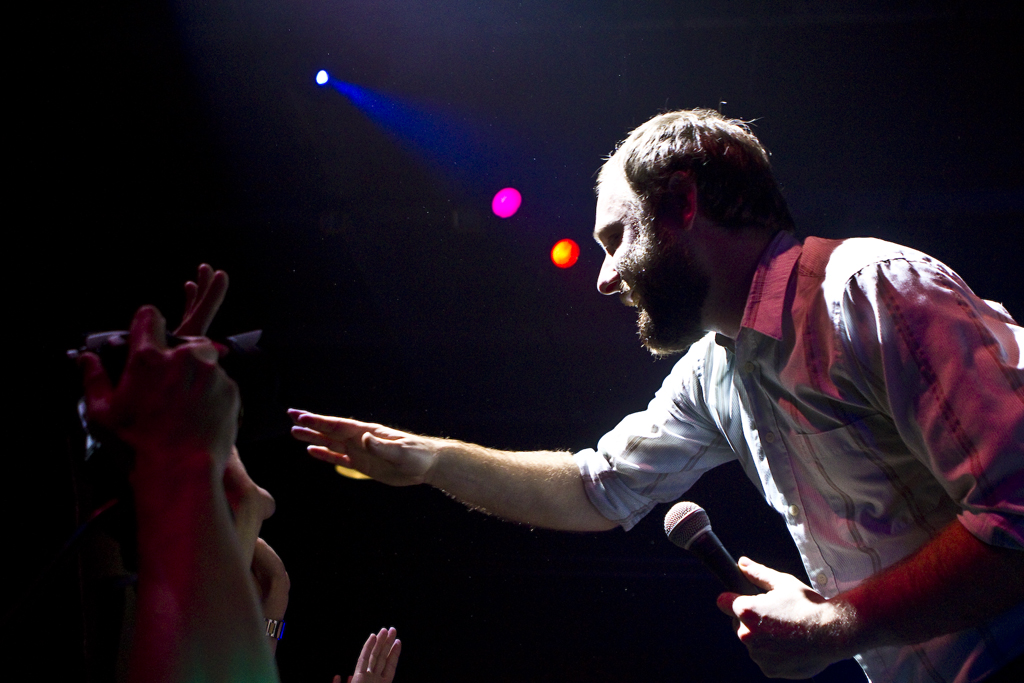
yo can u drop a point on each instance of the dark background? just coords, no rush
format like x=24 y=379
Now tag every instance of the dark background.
x=157 y=135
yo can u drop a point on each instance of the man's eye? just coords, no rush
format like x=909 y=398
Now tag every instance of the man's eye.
x=612 y=242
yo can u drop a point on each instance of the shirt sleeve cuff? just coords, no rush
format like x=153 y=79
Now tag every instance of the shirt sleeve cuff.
x=994 y=529
x=611 y=497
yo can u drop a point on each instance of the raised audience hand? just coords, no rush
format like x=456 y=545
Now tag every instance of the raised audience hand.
x=168 y=404
x=250 y=504
x=202 y=301
x=272 y=583
x=198 y=615
x=378 y=658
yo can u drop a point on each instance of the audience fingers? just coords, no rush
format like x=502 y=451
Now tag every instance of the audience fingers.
x=392 y=662
x=202 y=301
x=96 y=384
x=148 y=330
x=272 y=580
x=211 y=296
x=191 y=291
x=380 y=652
x=389 y=640
x=386 y=639
x=251 y=505
x=362 y=664
x=205 y=274
x=203 y=349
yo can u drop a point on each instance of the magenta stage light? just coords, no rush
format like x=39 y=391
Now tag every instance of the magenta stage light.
x=506 y=202
x=322 y=77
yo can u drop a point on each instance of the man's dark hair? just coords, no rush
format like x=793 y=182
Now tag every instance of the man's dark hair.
x=735 y=184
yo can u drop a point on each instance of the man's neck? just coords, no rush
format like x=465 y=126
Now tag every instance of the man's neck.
x=731 y=256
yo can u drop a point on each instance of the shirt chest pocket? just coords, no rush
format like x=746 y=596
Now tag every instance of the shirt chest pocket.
x=864 y=473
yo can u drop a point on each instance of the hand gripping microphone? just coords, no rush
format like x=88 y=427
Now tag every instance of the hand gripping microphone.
x=688 y=526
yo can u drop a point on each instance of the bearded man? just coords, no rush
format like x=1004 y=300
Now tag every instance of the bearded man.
x=873 y=399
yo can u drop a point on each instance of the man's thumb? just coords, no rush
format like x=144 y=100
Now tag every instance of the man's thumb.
x=759 y=575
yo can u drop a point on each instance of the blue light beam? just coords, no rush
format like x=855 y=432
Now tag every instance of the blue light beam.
x=458 y=148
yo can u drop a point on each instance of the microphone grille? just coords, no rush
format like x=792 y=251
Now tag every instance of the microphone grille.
x=685 y=522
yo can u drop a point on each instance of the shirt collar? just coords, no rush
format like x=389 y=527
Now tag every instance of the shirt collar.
x=768 y=288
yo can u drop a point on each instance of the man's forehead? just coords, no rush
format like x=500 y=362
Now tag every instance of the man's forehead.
x=615 y=199
x=612 y=178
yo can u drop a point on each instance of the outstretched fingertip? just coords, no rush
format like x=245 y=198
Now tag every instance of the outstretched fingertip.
x=148 y=327
x=191 y=289
x=329 y=456
x=148 y=311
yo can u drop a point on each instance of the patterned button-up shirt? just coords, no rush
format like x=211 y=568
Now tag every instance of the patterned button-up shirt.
x=873 y=399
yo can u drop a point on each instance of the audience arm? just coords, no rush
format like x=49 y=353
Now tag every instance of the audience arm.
x=198 y=613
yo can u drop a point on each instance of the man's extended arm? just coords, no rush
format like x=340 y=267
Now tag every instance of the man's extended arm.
x=542 y=489
x=951 y=583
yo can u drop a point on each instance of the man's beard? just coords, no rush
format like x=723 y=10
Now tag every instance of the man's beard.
x=669 y=291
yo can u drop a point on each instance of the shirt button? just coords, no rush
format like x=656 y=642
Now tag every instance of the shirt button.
x=821 y=579
x=769 y=437
x=748 y=366
x=794 y=510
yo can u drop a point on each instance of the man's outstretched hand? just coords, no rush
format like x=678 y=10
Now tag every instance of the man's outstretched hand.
x=791 y=631
x=387 y=455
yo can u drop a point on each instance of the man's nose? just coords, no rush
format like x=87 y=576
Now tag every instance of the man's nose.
x=608 y=281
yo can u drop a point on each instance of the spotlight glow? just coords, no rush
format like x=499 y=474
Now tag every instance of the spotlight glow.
x=350 y=473
x=322 y=77
x=506 y=202
x=565 y=253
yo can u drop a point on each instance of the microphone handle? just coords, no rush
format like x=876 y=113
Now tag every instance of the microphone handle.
x=716 y=558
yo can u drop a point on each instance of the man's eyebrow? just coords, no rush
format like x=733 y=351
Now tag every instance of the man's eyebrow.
x=607 y=228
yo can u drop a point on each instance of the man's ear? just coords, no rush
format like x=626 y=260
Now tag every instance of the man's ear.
x=682 y=191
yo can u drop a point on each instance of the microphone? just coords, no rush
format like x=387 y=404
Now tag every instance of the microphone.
x=688 y=526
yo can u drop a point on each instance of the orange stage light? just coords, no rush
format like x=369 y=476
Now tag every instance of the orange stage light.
x=564 y=253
